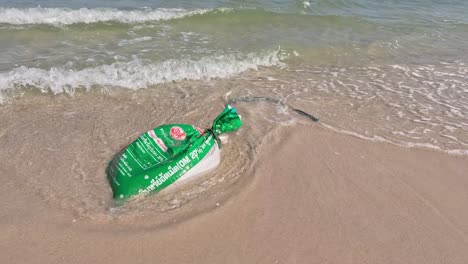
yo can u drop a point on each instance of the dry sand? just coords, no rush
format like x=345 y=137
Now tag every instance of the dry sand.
x=315 y=197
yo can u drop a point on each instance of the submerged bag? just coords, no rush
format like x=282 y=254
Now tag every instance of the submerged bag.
x=168 y=153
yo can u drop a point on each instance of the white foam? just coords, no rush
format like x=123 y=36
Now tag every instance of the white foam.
x=375 y=138
x=125 y=42
x=135 y=74
x=66 y=16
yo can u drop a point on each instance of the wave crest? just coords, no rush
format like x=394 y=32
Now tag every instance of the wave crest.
x=67 y=16
x=136 y=74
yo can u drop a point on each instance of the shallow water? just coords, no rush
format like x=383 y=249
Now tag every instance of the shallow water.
x=57 y=148
x=78 y=81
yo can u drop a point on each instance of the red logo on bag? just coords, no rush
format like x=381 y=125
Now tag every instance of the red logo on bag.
x=177 y=133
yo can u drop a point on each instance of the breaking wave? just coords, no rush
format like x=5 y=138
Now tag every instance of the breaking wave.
x=135 y=74
x=67 y=16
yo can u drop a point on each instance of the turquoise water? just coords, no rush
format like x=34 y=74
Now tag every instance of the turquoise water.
x=83 y=34
x=397 y=68
x=80 y=79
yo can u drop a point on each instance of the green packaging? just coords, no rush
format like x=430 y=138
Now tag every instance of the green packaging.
x=161 y=156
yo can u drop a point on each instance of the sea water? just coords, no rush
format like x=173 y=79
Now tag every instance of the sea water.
x=79 y=80
x=393 y=71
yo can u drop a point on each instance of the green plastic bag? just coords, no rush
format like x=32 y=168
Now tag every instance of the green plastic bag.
x=163 y=155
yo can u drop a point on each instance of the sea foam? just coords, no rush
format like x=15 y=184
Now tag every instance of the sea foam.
x=67 y=16
x=135 y=74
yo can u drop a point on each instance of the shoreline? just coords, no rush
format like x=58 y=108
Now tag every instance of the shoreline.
x=380 y=178
x=334 y=199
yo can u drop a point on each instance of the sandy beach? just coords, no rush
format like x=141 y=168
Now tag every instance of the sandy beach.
x=314 y=196
x=381 y=178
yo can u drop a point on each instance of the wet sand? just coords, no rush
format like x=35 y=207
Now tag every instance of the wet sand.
x=314 y=197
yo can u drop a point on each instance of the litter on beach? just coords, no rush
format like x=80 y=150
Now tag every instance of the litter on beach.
x=169 y=153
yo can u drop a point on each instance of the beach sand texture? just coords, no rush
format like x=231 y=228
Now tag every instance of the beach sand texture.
x=382 y=178
x=313 y=196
